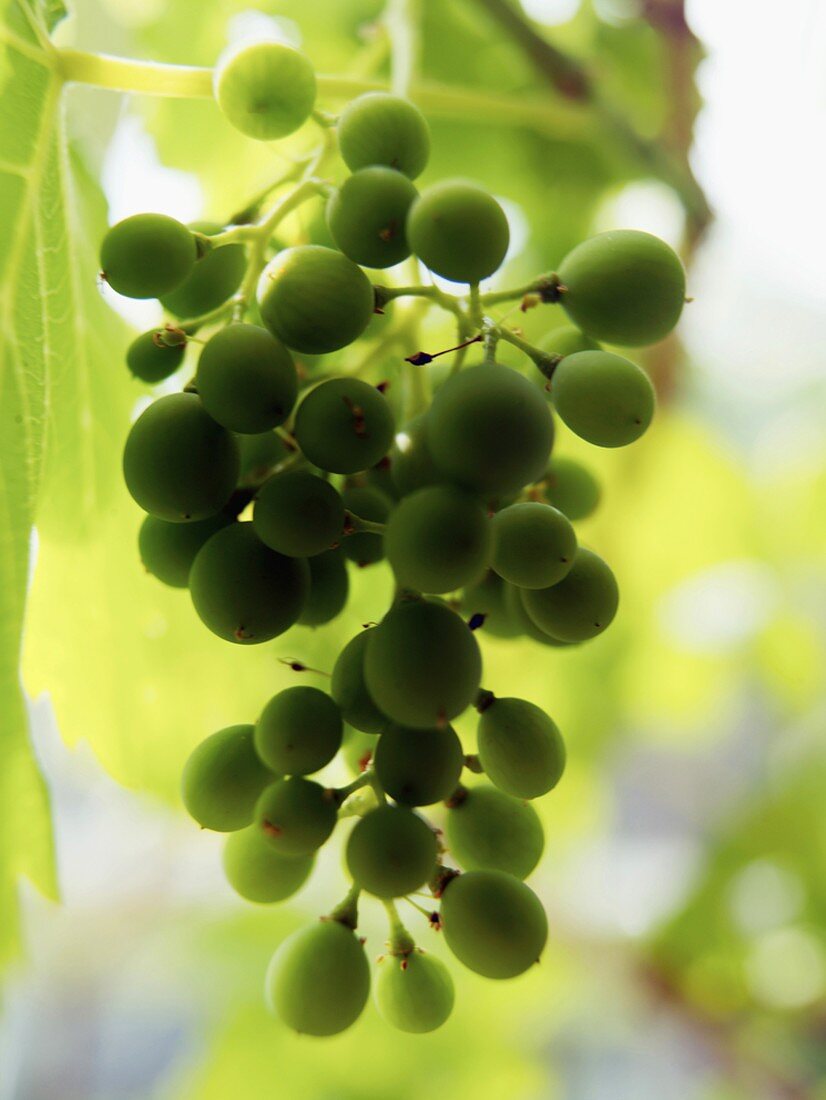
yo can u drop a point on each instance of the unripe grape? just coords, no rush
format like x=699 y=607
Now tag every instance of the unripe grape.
x=493 y=923
x=412 y=464
x=318 y=980
x=414 y=993
x=581 y=606
x=605 y=399
x=349 y=689
x=623 y=287
x=418 y=767
x=213 y=279
x=571 y=487
x=259 y=453
x=153 y=362
x=391 y=852
x=488 y=830
x=487 y=597
x=147 y=255
x=265 y=89
x=243 y=591
x=458 y=230
x=366 y=547
x=515 y=607
x=168 y=550
x=258 y=873
x=329 y=588
x=344 y=425
x=295 y=815
x=379 y=128
x=379 y=477
x=299 y=731
x=367 y=216
x=533 y=544
x=567 y=340
x=223 y=779
x=298 y=514
x=520 y=748
x=178 y=463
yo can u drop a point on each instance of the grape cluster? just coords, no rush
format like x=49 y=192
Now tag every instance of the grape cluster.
x=265 y=481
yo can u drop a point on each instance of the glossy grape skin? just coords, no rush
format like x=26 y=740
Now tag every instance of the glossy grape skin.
x=298 y=514
x=493 y=923
x=489 y=830
x=487 y=597
x=533 y=544
x=458 y=230
x=571 y=487
x=603 y=398
x=414 y=994
x=515 y=608
x=567 y=340
x=266 y=89
x=151 y=362
x=147 y=255
x=258 y=873
x=366 y=547
x=489 y=430
x=223 y=779
x=520 y=748
x=380 y=128
x=243 y=591
x=213 y=279
x=315 y=299
x=349 y=689
x=581 y=606
x=329 y=588
x=178 y=463
x=344 y=425
x=391 y=852
x=418 y=767
x=422 y=665
x=167 y=550
x=299 y=731
x=412 y=464
x=318 y=980
x=295 y=815
x=259 y=453
x=367 y=216
x=623 y=287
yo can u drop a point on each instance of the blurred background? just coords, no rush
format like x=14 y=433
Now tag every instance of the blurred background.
x=685 y=865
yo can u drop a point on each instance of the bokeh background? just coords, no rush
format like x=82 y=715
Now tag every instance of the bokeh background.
x=685 y=867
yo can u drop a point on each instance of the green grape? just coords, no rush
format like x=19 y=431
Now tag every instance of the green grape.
x=567 y=340
x=379 y=128
x=520 y=748
x=366 y=547
x=243 y=591
x=623 y=287
x=438 y=539
x=493 y=923
x=458 y=230
x=489 y=430
x=489 y=830
x=298 y=514
x=391 y=852
x=246 y=379
x=422 y=666
x=329 y=588
x=344 y=425
x=168 y=550
x=295 y=815
x=581 y=606
x=349 y=689
x=153 y=362
x=299 y=731
x=258 y=454
x=147 y=255
x=487 y=597
x=315 y=299
x=258 y=873
x=515 y=608
x=223 y=779
x=357 y=749
x=605 y=399
x=415 y=993
x=266 y=89
x=379 y=477
x=367 y=215
x=318 y=980
x=571 y=487
x=533 y=544
x=213 y=279
x=412 y=464
x=419 y=767
x=178 y=463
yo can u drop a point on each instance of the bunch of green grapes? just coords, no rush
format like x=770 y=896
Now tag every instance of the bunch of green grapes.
x=265 y=480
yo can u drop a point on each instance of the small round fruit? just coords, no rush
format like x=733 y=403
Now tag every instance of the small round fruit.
x=414 y=993
x=167 y=550
x=391 y=852
x=581 y=606
x=571 y=487
x=213 y=278
x=520 y=748
x=418 y=767
x=458 y=230
x=147 y=255
x=367 y=216
x=379 y=128
x=488 y=830
x=344 y=425
x=533 y=544
x=223 y=779
x=266 y=89
x=258 y=873
x=603 y=398
x=259 y=453
x=329 y=588
x=298 y=514
x=153 y=362
x=349 y=689
x=299 y=731
x=487 y=597
x=295 y=816
x=515 y=607
x=411 y=462
x=567 y=340
x=366 y=502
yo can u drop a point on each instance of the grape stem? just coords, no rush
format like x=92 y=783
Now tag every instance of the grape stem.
x=544 y=361
x=365 y=779
x=346 y=912
x=354 y=524
x=401 y=943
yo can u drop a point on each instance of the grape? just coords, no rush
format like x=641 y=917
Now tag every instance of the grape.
x=415 y=993
x=265 y=89
x=378 y=477
x=314 y=299
x=391 y=851
x=366 y=547
x=295 y=815
x=259 y=453
x=581 y=606
x=487 y=597
x=533 y=544
x=344 y=425
x=411 y=462
x=298 y=514
x=458 y=230
x=571 y=487
x=379 y=128
x=419 y=767
x=489 y=430
x=493 y=923
x=567 y=340
x=490 y=830
x=213 y=279
x=329 y=588
x=147 y=255
x=178 y=463
x=422 y=666
x=258 y=873
x=623 y=287
x=349 y=689
x=243 y=591
x=605 y=399
x=438 y=539
x=515 y=608
x=223 y=779
x=318 y=980
x=299 y=731
x=168 y=550
x=367 y=215
x=153 y=362
x=520 y=748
